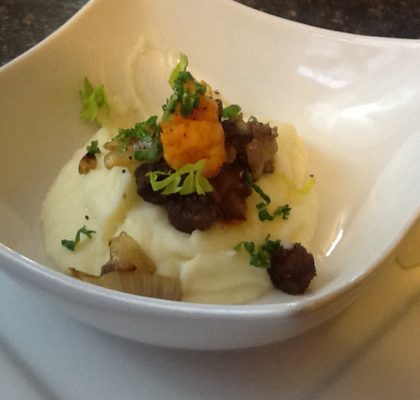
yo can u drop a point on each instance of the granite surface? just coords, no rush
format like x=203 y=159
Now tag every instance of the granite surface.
x=23 y=23
x=390 y=18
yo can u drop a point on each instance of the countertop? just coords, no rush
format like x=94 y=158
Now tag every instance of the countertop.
x=23 y=23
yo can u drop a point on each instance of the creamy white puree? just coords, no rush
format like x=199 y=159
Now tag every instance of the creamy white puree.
x=210 y=270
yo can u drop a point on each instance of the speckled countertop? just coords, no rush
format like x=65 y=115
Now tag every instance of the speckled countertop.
x=23 y=23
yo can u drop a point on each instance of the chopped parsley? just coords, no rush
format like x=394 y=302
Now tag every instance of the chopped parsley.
x=93 y=99
x=259 y=255
x=185 y=180
x=145 y=139
x=231 y=112
x=186 y=90
x=263 y=213
x=281 y=211
x=93 y=148
x=71 y=244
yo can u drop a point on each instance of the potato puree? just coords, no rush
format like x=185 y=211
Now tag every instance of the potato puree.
x=210 y=270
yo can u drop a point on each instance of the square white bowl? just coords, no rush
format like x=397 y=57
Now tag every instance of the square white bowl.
x=353 y=99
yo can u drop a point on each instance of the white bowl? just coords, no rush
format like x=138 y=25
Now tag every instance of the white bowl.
x=353 y=99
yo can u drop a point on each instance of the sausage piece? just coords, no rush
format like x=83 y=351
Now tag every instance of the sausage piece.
x=193 y=211
x=291 y=270
x=231 y=191
x=144 y=188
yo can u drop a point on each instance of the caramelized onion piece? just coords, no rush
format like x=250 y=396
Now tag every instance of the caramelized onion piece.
x=252 y=143
x=135 y=282
x=126 y=254
x=87 y=163
x=130 y=270
x=261 y=151
x=116 y=157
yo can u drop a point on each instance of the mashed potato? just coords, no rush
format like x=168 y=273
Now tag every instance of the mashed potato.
x=209 y=269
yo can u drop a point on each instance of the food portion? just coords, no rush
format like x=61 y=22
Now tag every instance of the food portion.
x=198 y=204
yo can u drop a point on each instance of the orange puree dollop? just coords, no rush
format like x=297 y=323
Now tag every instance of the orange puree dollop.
x=198 y=136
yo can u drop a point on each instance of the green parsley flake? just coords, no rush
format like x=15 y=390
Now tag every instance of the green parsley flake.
x=71 y=244
x=259 y=256
x=193 y=182
x=231 y=112
x=93 y=99
x=281 y=211
x=263 y=213
x=145 y=138
x=93 y=148
x=186 y=90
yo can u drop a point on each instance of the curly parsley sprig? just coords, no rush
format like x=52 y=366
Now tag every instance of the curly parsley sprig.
x=93 y=148
x=186 y=90
x=231 y=111
x=263 y=213
x=259 y=255
x=145 y=139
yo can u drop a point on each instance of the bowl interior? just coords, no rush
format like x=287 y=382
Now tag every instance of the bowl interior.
x=353 y=100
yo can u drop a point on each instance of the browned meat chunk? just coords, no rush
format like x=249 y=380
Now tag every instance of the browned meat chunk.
x=226 y=202
x=291 y=270
x=144 y=188
x=190 y=212
x=252 y=143
x=231 y=191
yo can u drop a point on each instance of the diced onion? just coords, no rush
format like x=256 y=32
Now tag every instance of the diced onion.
x=116 y=157
x=135 y=282
x=130 y=270
x=127 y=254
